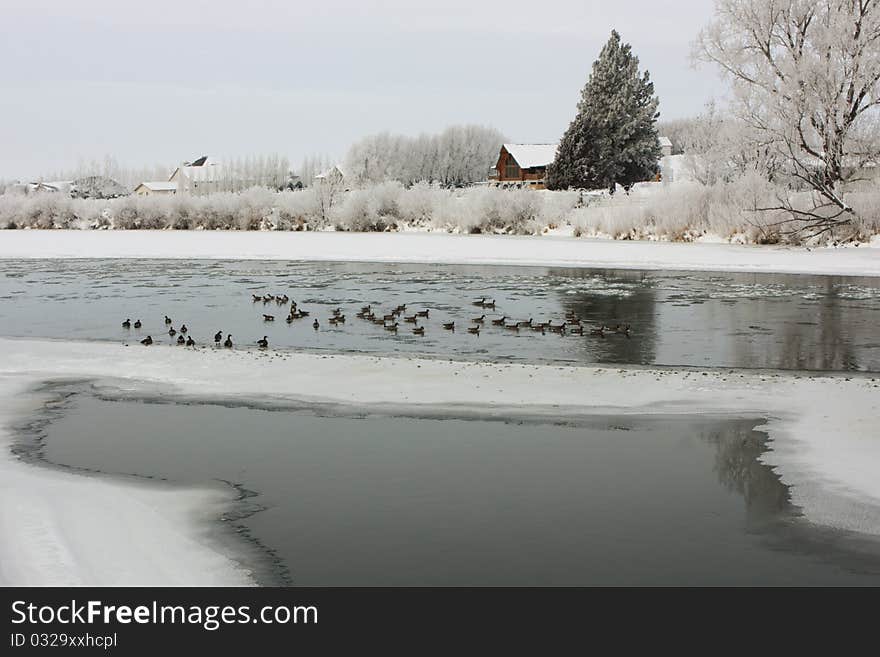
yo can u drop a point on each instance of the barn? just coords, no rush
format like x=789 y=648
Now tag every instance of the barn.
x=522 y=165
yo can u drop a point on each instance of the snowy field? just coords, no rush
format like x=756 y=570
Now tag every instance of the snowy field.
x=439 y=248
x=83 y=529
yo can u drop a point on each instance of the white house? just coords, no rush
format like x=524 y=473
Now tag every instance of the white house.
x=334 y=174
x=202 y=176
x=156 y=188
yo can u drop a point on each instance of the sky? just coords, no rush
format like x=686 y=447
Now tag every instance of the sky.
x=169 y=80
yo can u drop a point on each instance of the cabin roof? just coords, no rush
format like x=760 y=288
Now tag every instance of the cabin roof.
x=532 y=155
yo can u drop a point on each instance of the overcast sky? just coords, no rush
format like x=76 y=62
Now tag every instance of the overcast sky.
x=168 y=80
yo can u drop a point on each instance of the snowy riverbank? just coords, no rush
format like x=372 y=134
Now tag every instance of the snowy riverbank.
x=57 y=527
x=438 y=248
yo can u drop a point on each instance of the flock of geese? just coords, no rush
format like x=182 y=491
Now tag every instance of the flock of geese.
x=390 y=321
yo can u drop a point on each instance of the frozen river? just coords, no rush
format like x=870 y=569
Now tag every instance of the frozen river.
x=776 y=321
x=359 y=498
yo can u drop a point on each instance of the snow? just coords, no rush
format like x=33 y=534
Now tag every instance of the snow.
x=532 y=155
x=60 y=529
x=159 y=186
x=438 y=248
x=823 y=433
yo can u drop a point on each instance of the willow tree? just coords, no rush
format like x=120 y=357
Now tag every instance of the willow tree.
x=806 y=80
x=613 y=138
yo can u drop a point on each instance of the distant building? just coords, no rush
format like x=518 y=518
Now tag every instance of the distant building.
x=665 y=146
x=53 y=186
x=201 y=176
x=334 y=174
x=156 y=188
x=522 y=165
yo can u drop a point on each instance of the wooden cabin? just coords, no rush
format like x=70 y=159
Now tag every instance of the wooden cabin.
x=522 y=165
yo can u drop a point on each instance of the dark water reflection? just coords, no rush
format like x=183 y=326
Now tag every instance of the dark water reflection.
x=390 y=500
x=691 y=319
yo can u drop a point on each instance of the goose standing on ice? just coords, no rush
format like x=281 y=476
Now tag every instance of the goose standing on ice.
x=190 y=342
x=264 y=343
x=167 y=319
x=218 y=336
x=147 y=341
x=138 y=324
x=181 y=340
x=126 y=324
x=228 y=342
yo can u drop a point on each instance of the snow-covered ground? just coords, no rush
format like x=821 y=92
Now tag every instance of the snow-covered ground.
x=57 y=527
x=439 y=248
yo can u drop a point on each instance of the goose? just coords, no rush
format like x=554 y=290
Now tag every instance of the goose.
x=268 y=318
x=290 y=319
x=303 y=313
x=284 y=299
x=337 y=311
x=218 y=336
x=315 y=325
x=256 y=297
x=479 y=302
x=499 y=322
x=392 y=327
x=449 y=326
x=267 y=298
x=389 y=318
x=542 y=327
x=190 y=342
x=137 y=323
x=126 y=324
x=557 y=329
x=379 y=321
x=181 y=340
x=172 y=332
x=525 y=324
x=512 y=327
x=183 y=329
x=419 y=330
x=474 y=330
x=147 y=341
x=366 y=310
x=479 y=320
x=228 y=342
x=412 y=319
x=577 y=330
x=600 y=332
x=489 y=304
x=423 y=313
x=167 y=319
x=622 y=328
x=264 y=343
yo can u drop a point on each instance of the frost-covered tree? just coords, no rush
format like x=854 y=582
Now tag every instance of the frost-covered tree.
x=613 y=138
x=806 y=78
x=460 y=155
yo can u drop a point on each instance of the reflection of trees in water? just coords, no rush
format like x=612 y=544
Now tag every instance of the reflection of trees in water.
x=737 y=450
x=634 y=304
x=815 y=334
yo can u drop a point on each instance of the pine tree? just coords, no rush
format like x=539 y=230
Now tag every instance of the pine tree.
x=613 y=138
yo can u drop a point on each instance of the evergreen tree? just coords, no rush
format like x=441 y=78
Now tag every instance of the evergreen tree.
x=613 y=138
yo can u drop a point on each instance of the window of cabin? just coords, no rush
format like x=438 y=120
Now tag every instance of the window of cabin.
x=511 y=170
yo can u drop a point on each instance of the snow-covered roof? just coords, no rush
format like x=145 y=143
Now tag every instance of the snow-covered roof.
x=335 y=167
x=666 y=141
x=159 y=186
x=532 y=155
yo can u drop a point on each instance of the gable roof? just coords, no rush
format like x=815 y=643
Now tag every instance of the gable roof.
x=665 y=141
x=532 y=155
x=159 y=186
